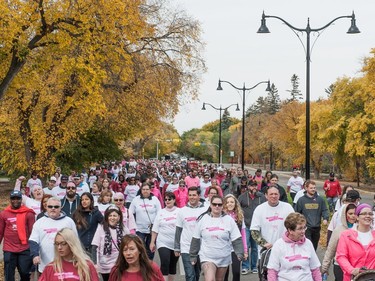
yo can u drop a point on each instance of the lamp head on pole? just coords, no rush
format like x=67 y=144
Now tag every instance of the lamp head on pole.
x=263 y=27
x=353 y=28
x=204 y=106
x=237 y=108
x=269 y=89
x=219 y=88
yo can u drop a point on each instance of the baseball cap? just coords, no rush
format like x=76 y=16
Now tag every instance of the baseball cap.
x=252 y=183
x=64 y=178
x=352 y=195
x=52 y=178
x=331 y=174
x=16 y=193
x=259 y=170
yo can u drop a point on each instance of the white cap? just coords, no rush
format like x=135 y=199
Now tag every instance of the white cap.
x=53 y=178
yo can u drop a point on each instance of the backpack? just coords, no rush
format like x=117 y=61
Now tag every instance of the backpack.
x=263 y=261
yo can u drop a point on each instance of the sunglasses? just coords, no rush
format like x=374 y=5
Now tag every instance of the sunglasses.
x=117 y=200
x=15 y=198
x=60 y=244
x=168 y=199
x=217 y=204
x=53 y=206
x=71 y=187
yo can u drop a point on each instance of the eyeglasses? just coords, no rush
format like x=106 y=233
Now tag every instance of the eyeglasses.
x=53 y=206
x=61 y=244
x=116 y=200
x=217 y=204
x=71 y=187
x=366 y=214
x=168 y=199
x=301 y=228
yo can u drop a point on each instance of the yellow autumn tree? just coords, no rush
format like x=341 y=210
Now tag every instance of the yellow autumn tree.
x=66 y=66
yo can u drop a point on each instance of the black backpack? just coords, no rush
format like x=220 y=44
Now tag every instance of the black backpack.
x=263 y=261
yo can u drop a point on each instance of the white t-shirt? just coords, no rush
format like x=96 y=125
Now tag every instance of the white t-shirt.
x=270 y=220
x=216 y=236
x=295 y=183
x=31 y=183
x=187 y=220
x=59 y=192
x=46 y=190
x=145 y=211
x=293 y=261
x=44 y=232
x=172 y=187
x=131 y=192
x=102 y=207
x=32 y=204
x=203 y=187
x=82 y=187
x=165 y=226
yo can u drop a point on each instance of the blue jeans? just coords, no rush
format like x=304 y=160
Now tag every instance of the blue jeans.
x=146 y=238
x=22 y=261
x=192 y=272
x=332 y=203
x=253 y=252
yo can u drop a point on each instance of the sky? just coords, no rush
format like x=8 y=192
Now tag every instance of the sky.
x=237 y=53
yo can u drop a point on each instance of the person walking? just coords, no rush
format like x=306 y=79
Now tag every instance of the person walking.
x=292 y=256
x=70 y=261
x=332 y=189
x=185 y=224
x=295 y=184
x=348 y=219
x=356 y=247
x=267 y=224
x=162 y=238
x=16 y=224
x=71 y=200
x=232 y=208
x=313 y=207
x=214 y=238
x=248 y=202
x=44 y=231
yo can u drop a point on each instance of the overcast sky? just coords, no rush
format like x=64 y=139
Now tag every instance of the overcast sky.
x=235 y=52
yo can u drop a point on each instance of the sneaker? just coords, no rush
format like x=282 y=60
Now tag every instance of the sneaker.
x=254 y=271
x=244 y=271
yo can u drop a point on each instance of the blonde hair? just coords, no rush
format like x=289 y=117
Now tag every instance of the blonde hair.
x=237 y=209
x=80 y=259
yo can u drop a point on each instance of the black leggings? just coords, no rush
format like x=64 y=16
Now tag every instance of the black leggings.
x=168 y=261
x=236 y=265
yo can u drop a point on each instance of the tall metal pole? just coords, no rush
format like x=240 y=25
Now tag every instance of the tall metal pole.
x=243 y=128
x=220 y=128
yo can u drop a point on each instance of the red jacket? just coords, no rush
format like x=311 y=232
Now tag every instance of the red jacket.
x=351 y=254
x=9 y=230
x=332 y=188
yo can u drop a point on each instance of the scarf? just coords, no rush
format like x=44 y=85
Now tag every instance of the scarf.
x=21 y=214
x=108 y=239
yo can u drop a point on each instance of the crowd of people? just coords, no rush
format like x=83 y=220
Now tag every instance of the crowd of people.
x=111 y=221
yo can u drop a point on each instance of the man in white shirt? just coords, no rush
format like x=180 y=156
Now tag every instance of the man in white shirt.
x=267 y=224
x=295 y=184
x=51 y=185
x=185 y=225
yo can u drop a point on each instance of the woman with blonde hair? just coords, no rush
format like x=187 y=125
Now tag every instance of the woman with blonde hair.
x=232 y=208
x=70 y=262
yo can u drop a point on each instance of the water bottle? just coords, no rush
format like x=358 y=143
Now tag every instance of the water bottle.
x=324 y=277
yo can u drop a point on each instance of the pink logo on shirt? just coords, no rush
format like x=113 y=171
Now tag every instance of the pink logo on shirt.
x=274 y=218
x=51 y=230
x=12 y=220
x=170 y=218
x=296 y=258
x=214 y=228
x=146 y=205
x=188 y=219
x=66 y=275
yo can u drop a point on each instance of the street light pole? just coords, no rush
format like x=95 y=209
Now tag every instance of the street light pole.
x=352 y=30
x=220 y=109
x=243 y=89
